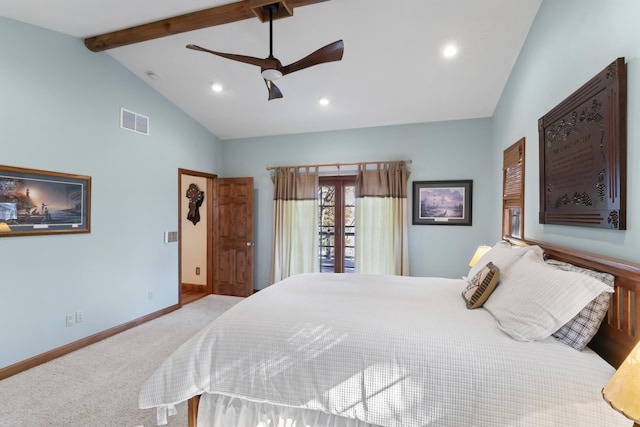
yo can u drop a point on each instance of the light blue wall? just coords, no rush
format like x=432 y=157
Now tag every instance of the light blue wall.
x=570 y=42
x=59 y=111
x=439 y=151
x=59 y=107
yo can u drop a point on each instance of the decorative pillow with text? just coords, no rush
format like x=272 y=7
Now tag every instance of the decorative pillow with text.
x=481 y=285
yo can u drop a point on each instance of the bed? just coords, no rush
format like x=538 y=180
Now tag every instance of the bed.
x=344 y=350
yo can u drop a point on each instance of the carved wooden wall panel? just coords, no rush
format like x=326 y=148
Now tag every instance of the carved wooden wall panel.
x=583 y=155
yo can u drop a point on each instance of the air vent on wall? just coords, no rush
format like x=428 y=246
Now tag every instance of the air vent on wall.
x=134 y=121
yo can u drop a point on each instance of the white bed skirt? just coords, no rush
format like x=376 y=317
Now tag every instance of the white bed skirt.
x=224 y=411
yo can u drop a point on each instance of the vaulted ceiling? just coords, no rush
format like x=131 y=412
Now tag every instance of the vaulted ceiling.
x=392 y=71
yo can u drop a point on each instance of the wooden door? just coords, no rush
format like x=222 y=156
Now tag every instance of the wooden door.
x=234 y=237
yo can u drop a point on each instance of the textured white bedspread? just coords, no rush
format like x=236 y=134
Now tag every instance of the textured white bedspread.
x=387 y=350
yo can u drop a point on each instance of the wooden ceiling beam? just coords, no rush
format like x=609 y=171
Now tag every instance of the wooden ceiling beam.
x=259 y=10
x=211 y=17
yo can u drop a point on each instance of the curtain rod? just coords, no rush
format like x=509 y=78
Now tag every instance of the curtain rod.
x=337 y=165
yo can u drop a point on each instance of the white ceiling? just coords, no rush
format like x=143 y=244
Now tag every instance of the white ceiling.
x=392 y=71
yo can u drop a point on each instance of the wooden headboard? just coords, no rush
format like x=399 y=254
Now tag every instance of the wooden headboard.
x=620 y=331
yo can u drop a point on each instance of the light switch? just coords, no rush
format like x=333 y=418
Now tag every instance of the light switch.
x=170 y=236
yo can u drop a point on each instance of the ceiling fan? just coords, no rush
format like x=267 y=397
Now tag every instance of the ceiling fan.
x=271 y=67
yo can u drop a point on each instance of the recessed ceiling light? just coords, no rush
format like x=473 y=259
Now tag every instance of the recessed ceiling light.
x=216 y=87
x=324 y=101
x=450 y=51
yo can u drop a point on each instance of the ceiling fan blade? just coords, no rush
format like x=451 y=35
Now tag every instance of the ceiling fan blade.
x=264 y=63
x=329 y=53
x=211 y=17
x=274 y=92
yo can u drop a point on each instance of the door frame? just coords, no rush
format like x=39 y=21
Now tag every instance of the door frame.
x=208 y=199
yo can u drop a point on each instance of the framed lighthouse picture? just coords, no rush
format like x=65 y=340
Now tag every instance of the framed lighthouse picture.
x=34 y=202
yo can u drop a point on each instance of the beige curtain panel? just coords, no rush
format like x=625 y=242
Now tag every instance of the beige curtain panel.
x=295 y=222
x=388 y=179
x=381 y=219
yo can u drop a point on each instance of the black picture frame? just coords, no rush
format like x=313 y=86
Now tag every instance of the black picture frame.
x=442 y=202
x=36 y=202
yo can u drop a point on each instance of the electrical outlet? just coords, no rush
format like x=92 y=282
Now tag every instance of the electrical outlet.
x=197 y=271
x=150 y=295
x=79 y=316
x=70 y=320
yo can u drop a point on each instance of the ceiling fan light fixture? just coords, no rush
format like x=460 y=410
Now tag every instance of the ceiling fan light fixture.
x=271 y=74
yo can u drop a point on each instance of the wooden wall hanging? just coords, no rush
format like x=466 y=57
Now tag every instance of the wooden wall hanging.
x=196 y=198
x=583 y=154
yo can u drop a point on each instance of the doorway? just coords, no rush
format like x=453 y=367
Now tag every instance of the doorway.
x=215 y=229
x=195 y=234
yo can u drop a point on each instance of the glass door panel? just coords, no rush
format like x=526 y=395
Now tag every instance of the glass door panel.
x=336 y=202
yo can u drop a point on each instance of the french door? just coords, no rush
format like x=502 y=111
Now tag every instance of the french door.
x=337 y=210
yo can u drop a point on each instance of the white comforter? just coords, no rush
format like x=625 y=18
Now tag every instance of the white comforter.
x=387 y=350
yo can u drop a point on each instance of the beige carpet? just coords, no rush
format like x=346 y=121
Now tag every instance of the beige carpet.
x=98 y=385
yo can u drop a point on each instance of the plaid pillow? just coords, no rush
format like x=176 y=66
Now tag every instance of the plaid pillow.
x=580 y=330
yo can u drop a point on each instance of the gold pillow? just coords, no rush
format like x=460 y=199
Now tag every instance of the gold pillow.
x=481 y=285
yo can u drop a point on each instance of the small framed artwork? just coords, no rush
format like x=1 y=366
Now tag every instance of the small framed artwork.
x=442 y=202
x=40 y=202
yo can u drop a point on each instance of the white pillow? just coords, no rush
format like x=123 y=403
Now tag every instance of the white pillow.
x=502 y=255
x=535 y=299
